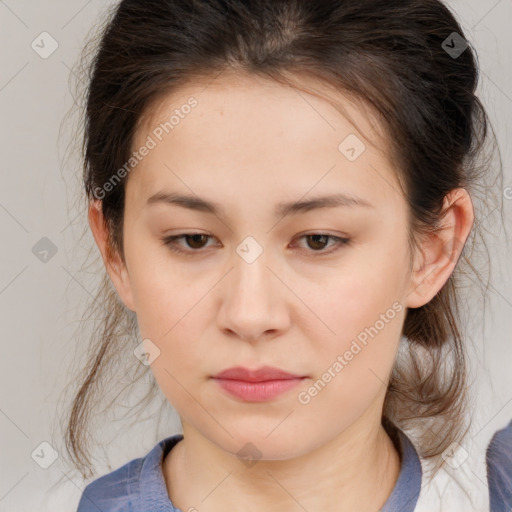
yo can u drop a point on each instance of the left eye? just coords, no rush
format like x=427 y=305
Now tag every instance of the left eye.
x=195 y=241
x=321 y=239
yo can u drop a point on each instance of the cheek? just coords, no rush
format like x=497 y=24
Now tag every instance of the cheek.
x=172 y=316
x=351 y=368
x=173 y=312
x=355 y=296
x=175 y=323
x=367 y=332
x=162 y=296
x=363 y=308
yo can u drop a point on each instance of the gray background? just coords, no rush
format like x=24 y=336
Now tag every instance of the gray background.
x=41 y=303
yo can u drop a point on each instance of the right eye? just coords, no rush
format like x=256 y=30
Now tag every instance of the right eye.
x=193 y=240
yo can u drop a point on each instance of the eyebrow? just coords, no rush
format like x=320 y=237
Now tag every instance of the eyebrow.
x=282 y=209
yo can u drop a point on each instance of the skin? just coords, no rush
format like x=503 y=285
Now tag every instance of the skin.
x=248 y=145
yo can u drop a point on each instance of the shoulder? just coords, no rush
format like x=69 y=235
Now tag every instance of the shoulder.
x=115 y=491
x=499 y=469
x=121 y=489
x=406 y=492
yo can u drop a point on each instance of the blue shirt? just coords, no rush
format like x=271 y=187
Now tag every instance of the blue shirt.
x=499 y=470
x=139 y=485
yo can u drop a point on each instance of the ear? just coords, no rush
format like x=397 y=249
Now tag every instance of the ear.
x=114 y=265
x=438 y=253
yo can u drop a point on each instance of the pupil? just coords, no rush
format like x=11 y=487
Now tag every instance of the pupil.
x=315 y=240
x=196 y=239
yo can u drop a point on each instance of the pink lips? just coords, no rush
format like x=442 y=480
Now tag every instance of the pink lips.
x=256 y=385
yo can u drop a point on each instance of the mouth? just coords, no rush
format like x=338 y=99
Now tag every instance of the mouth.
x=258 y=385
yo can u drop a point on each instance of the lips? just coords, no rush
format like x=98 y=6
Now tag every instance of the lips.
x=259 y=375
x=258 y=385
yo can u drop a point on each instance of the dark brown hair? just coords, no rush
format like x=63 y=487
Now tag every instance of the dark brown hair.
x=388 y=55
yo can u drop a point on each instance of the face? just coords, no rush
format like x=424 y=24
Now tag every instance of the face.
x=318 y=292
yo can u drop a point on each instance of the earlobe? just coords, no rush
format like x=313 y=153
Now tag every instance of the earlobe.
x=439 y=252
x=113 y=263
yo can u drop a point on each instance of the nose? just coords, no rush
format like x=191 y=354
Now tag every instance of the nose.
x=254 y=301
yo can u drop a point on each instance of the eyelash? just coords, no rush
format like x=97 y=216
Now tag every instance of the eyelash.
x=169 y=241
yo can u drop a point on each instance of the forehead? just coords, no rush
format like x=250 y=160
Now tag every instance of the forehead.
x=249 y=132
x=237 y=95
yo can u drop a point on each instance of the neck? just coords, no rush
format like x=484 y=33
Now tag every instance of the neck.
x=356 y=470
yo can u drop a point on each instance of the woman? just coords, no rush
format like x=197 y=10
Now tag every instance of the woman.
x=281 y=193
